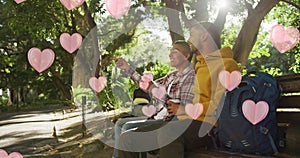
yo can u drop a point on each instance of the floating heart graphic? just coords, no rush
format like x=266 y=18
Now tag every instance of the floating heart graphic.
x=3 y=154
x=284 y=39
x=71 y=4
x=230 y=80
x=255 y=113
x=15 y=155
x=194 y=111
x=148 y=110
x=159 y=92
x=145 y=79
x=144 y=85
x=19 y=1
x=97 y=84
x=40 y=61
x=117 y=8
x=70 y=43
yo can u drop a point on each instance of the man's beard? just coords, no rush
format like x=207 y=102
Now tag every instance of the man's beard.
x=195 y=50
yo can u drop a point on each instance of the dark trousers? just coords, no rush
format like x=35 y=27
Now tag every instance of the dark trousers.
x=173 y=139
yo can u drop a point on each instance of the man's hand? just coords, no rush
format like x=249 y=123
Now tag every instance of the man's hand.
x=122 y=64
x=172 y=108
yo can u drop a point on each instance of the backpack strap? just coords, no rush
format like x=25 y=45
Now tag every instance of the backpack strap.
x=273 y=144
x=265 y=131
x=213 y=135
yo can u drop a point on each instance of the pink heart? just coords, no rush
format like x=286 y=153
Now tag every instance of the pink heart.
x=148 y=110
x=70 y=43
x=97 y=84
x=159 y=92
x=230 y=80
x=194 y=111
x=117 y=8
x=145 y=79
x=40 y=61
x=19 y=1
x=71 y=4
x=284 y=39
x=3 y=154
x=144 y=85
x=255 y=113
x=15 y=155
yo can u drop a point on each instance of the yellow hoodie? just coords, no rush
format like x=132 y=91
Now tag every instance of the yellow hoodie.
x=208 y=89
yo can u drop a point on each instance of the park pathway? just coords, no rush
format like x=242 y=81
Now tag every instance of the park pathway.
x=32 y=133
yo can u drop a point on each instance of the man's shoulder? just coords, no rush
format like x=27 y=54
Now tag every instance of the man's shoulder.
x=191 y=70
x=174 y=72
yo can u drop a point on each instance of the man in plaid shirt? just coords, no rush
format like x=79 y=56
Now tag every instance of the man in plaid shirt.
x=177 y=84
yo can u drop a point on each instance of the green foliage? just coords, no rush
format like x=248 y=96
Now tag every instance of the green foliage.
x=229 y=34
x=79 y=93
x=159 y=70
x=23 y=26
x=96 y=6
x=264 y=56
x=3 y=100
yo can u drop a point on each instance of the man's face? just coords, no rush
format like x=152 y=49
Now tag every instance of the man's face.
x=195 y=41
x=176 y=58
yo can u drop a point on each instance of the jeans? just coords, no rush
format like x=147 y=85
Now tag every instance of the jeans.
x=173 y=139
x=128 y=124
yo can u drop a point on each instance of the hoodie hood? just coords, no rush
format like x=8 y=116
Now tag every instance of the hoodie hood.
x=225 y=52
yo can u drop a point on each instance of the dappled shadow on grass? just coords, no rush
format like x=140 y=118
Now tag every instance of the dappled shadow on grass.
x=79 y=143
x=33 y=148
x=73 y=142
x=76 y=143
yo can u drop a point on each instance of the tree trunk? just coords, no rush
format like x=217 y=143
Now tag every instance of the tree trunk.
x=9 y=96
x=14 y=96
x=172 y=13
x=248 y=34
x=201 y=10
x=221 y=19
x=93 y=32
x=66 y=90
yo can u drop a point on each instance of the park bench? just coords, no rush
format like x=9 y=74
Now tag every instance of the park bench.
x=288 y=115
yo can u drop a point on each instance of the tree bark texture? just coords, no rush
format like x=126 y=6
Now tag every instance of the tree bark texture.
x=93 y=32
x=248 y=33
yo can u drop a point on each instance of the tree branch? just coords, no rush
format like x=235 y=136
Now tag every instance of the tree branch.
x=248 y=34
x=292 y=3
x=221 y=19
x=172 y=13
x=249 y=7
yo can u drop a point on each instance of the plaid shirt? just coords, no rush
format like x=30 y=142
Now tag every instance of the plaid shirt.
x=181 y=85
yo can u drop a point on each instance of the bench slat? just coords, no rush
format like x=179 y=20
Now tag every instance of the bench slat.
x=289 y=83
x=289 y=102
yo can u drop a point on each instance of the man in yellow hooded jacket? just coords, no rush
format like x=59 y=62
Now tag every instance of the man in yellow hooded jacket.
x=211 y=59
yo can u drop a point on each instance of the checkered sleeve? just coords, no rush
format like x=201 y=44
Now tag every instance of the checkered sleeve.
x=135 y=76
x=186 y=90
x=162 y=80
